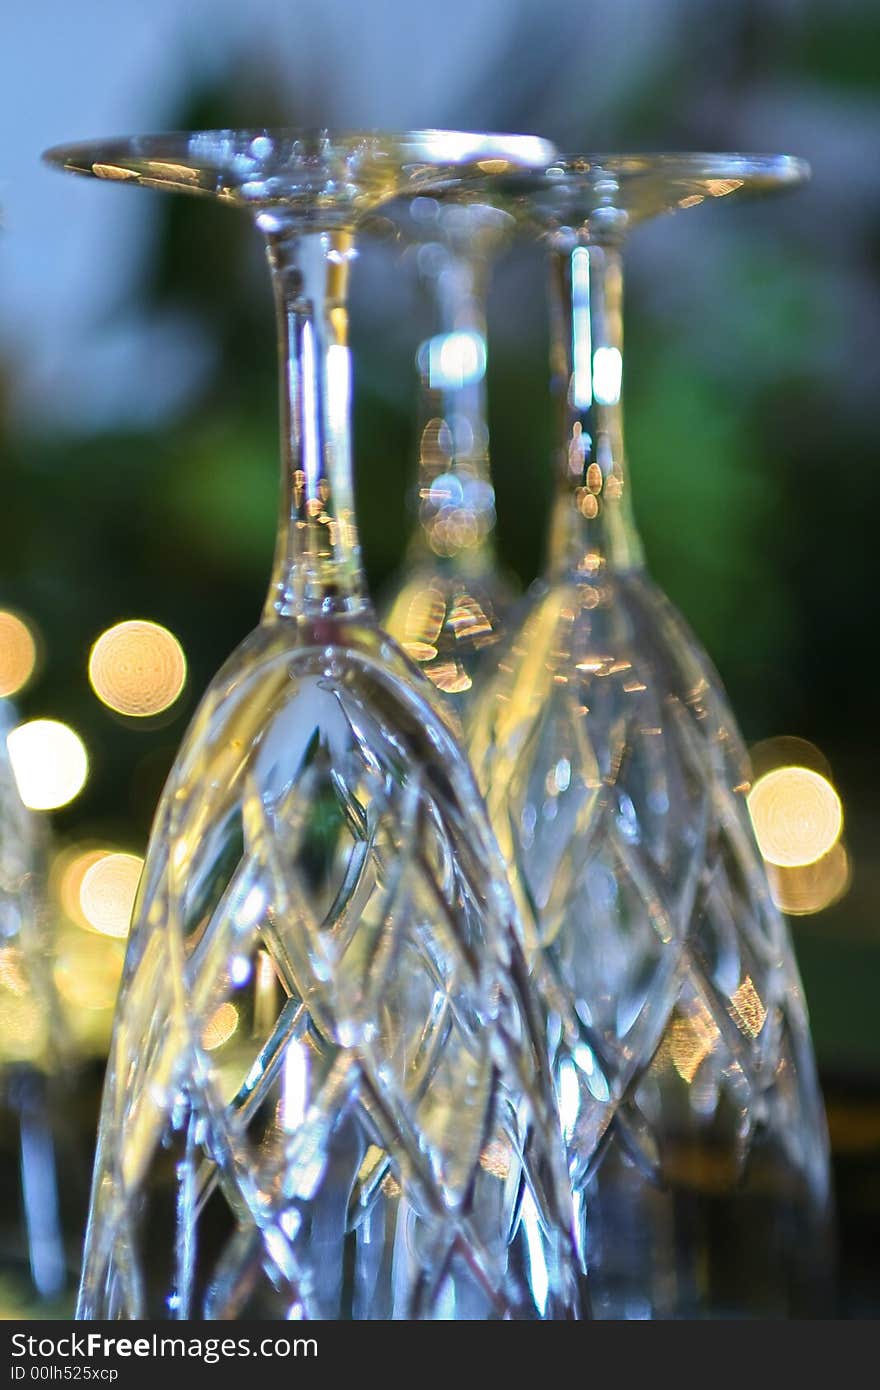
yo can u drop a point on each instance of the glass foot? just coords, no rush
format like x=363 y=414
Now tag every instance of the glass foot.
x=633 y=188
x=322 y=172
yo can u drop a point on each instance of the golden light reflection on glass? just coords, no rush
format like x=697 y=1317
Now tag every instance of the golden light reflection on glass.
x=107 y=892
x=468 y=620
x=18 y=653
x=809 y=888
x=719 y=188
x=453 y=529
x=49 y=761
x=450 y=677
x=747 y=1009
x=689 y=1042
x=374 y=1160
x=435 y=447
x=595 y=665
x=495 y=1159
x=588 y=504
x=797 y=815
x=614 y=487
x=419 y=651
x=220 y=1027
x=419 y=620
x=137 y=668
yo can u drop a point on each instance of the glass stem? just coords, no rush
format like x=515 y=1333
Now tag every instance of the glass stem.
x=592 y=522
x=456 y=501
x=317 y=567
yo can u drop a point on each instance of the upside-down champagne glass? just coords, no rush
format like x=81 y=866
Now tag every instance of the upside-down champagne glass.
x=616 y=780
x=326 y=1094
x=448 y=607
x=35 y=1217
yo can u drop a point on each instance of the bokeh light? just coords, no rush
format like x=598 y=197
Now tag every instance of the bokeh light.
x=691 y=1038
x=810 y=888
x=450 y=676
x=220 y=1027
x=787 y=750
x=455 y=359
x=68 y=870
x=49 y=761
x=18 y=653
x=107 y=891
x=87 y=965
x=137 y=668
x=797 y=816
x=87 y=969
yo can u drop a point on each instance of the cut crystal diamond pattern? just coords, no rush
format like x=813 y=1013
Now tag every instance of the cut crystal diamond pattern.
x=615 y=779
x=326 y=1094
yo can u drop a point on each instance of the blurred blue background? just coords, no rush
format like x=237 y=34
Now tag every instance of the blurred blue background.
x=137 y=385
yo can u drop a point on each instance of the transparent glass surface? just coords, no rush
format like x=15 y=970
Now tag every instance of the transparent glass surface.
x=327 y=1094
x=615 y=191
x=616 y=779
x=447 y=608
x=43 y=1202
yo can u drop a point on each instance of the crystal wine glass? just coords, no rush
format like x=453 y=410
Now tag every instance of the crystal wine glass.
x=326 y=1095
x=616 y=778
x=448 y=607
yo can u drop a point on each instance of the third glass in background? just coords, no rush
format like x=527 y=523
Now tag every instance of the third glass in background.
x=449 y=605
x=616 y=782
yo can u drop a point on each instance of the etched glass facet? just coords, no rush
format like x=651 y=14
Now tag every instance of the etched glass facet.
x=616 y=780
